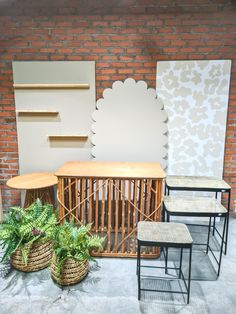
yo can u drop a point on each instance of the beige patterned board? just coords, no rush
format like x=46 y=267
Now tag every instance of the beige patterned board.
x=129 y=124
x=47 y=140
x=195 y=97
x=193 y=204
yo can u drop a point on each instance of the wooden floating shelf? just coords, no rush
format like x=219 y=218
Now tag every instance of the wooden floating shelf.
x=37 y=112
x=68 y=137
x=51 y=86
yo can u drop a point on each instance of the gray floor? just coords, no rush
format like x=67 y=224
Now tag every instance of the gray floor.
x=111 y=287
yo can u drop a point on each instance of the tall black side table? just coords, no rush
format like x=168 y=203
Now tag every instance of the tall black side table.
x=201 y=183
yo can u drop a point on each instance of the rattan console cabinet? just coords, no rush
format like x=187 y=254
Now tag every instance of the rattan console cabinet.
x=113 y=196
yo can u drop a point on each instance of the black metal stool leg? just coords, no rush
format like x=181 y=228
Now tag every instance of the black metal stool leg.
x=138 y=269
x=222 y=244
x=163 y=213
x=227 y=223
x=189 y=273
x=214 y=226
x=166 y=255
x=137 y=263
x=180 y=262
x=166 y=261
x=214 y=219
x=208 y=236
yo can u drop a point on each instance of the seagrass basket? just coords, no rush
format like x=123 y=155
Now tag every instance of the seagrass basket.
x=39 y=257
x=71 y=273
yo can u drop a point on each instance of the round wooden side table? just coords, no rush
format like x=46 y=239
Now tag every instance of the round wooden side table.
x=37 y=185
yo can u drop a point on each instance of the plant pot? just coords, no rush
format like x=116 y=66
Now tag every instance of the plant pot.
x=39 y=257
x=71 y=273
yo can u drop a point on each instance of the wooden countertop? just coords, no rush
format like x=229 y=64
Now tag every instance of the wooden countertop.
x=30 y=181
x=94 y=169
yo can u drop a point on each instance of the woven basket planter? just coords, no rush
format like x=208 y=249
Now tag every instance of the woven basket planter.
x=39 y=257
x=72 y=271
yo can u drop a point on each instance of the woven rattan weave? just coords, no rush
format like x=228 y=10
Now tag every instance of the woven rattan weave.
x=71 y=273
x=39 y=257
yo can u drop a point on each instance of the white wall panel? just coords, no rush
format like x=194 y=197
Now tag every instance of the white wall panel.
x=75 y=106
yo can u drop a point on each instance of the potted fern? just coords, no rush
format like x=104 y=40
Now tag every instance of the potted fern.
x=26 y=235
x=71 y=253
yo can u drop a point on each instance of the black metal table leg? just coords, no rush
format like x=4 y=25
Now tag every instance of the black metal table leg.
x=189 y=273
x=222 y=244
x=180 y=262
x=227 y=223
x=138 y=270
x=208 y=236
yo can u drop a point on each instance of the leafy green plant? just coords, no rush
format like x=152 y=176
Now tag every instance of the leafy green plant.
x=74 y=242
x=23 y=227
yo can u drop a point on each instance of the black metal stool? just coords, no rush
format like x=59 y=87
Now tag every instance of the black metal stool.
x=164 y=235
x=198 y=207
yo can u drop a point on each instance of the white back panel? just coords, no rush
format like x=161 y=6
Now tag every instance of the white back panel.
x=36 y=151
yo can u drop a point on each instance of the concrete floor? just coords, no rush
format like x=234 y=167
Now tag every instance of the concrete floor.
x=111 y=287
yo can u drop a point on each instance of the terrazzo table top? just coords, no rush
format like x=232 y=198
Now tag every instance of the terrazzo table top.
x=196 y=182
x=193 y=204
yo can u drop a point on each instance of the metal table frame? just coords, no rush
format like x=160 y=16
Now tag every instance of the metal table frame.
x=205 y=189
x=202 y=214
x=163 y=246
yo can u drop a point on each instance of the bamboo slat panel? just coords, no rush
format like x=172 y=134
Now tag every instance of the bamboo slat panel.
x=114 y=206
x=46 y=195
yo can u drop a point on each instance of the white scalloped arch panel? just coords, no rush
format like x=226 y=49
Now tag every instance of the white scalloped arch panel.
x=130 y=124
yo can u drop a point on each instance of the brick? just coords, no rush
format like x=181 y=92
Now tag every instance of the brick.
x=156 y=22
x=135 y=64
x=205 y=49
x=91 y=44
x=134 y=50
x=100 y=24
x=74 y=58
x=66 y=50
x=102 y=64
x=188 y=49
x=125 y=71
x=81 y=50
x=106 y=71
x=118 y=64
x=172 y=22
x=47 y=50
x=64 y=24
x=118 y=23
x=99 y=50
x=178 y=43
x=143 y=71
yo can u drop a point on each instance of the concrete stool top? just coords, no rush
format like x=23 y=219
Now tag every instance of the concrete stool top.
x=192 y=204
x=163 y=232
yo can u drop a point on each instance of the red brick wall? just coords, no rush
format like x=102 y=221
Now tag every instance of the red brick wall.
x=125 y=38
